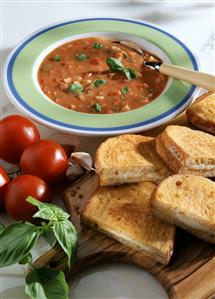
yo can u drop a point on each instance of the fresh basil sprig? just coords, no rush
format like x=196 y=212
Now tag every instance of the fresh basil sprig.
x=116 y=65
x=63 y=229
x=17 y=240
x=45 y=283
x=47 y=211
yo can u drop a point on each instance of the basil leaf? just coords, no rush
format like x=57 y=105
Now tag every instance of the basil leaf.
x=116 y=66
x=16 y=241
x=81 y=57
x=99 y=82
x=46 y=283
x=50 y=237
x=47 y=211
x=132 y=73
x=2 y=227
x=75 y=87
x=97 y=46
x=57 y=58
x=96 y=107
x=124 y=90
x=67 y=238
x=26 y=260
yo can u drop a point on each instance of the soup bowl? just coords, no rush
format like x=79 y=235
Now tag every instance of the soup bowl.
x=22 y=87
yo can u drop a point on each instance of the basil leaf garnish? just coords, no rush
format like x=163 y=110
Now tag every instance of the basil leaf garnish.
x=99 y=82
x=47 y=211
x=75 y=87
x=116 y=65
x=97 y=46
x=16 y=241
x=96 y=107
x=67 y=238
x=132 y=73
x=81 y=57
x=57 y=58
x=46 y=283
x=124 y=90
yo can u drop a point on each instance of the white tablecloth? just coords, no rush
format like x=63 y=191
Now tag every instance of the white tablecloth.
x=193 y=23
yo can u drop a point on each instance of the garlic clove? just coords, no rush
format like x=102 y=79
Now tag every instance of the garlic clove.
x=74 y=170
x=83 y=159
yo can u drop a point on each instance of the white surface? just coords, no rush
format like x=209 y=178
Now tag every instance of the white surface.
x=192 y=22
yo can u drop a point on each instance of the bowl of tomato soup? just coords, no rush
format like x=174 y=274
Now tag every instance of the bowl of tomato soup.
x=74 y=76
x=97 y=75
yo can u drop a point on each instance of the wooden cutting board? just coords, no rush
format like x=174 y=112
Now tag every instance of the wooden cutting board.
x=190 y=274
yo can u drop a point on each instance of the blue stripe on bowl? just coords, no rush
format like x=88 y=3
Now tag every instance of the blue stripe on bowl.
x=65 y=125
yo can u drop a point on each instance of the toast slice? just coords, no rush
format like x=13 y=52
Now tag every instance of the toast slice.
x=129 y=159
x=124 y=213
x=187 y=151
x=187 y=201
x=202 y=113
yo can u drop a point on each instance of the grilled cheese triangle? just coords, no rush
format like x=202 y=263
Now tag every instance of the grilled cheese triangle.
x=187 y=151
x=187 y=201
x=124 y=213
x=129 y=159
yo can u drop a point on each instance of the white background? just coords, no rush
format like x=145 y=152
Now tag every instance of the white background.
x=194 y=23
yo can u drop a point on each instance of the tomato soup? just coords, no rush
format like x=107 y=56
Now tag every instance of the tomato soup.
x=95 y=75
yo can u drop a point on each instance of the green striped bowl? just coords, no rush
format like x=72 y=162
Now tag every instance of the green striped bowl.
x=20 y=77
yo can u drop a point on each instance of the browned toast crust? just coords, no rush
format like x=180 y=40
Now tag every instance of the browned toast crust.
x=187 y=201
x=202 y=113
x=129 y=159
x=124 y=213
x=187 y=151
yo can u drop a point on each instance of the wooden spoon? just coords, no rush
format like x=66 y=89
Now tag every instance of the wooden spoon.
x=204 y=80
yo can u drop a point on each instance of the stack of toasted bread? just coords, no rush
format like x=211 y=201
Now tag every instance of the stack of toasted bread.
x=149 y=186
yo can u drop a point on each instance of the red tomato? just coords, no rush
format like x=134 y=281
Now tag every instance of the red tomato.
x=4 y=179
x=16 y=132
x=18 y=190
x=45 y=159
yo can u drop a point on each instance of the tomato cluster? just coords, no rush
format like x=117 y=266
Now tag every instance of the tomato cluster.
x=42 y=162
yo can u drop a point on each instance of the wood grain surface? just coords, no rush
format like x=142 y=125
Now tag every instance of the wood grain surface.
x=190 y=274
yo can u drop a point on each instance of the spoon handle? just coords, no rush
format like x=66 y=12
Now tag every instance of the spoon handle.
x=204 y=80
